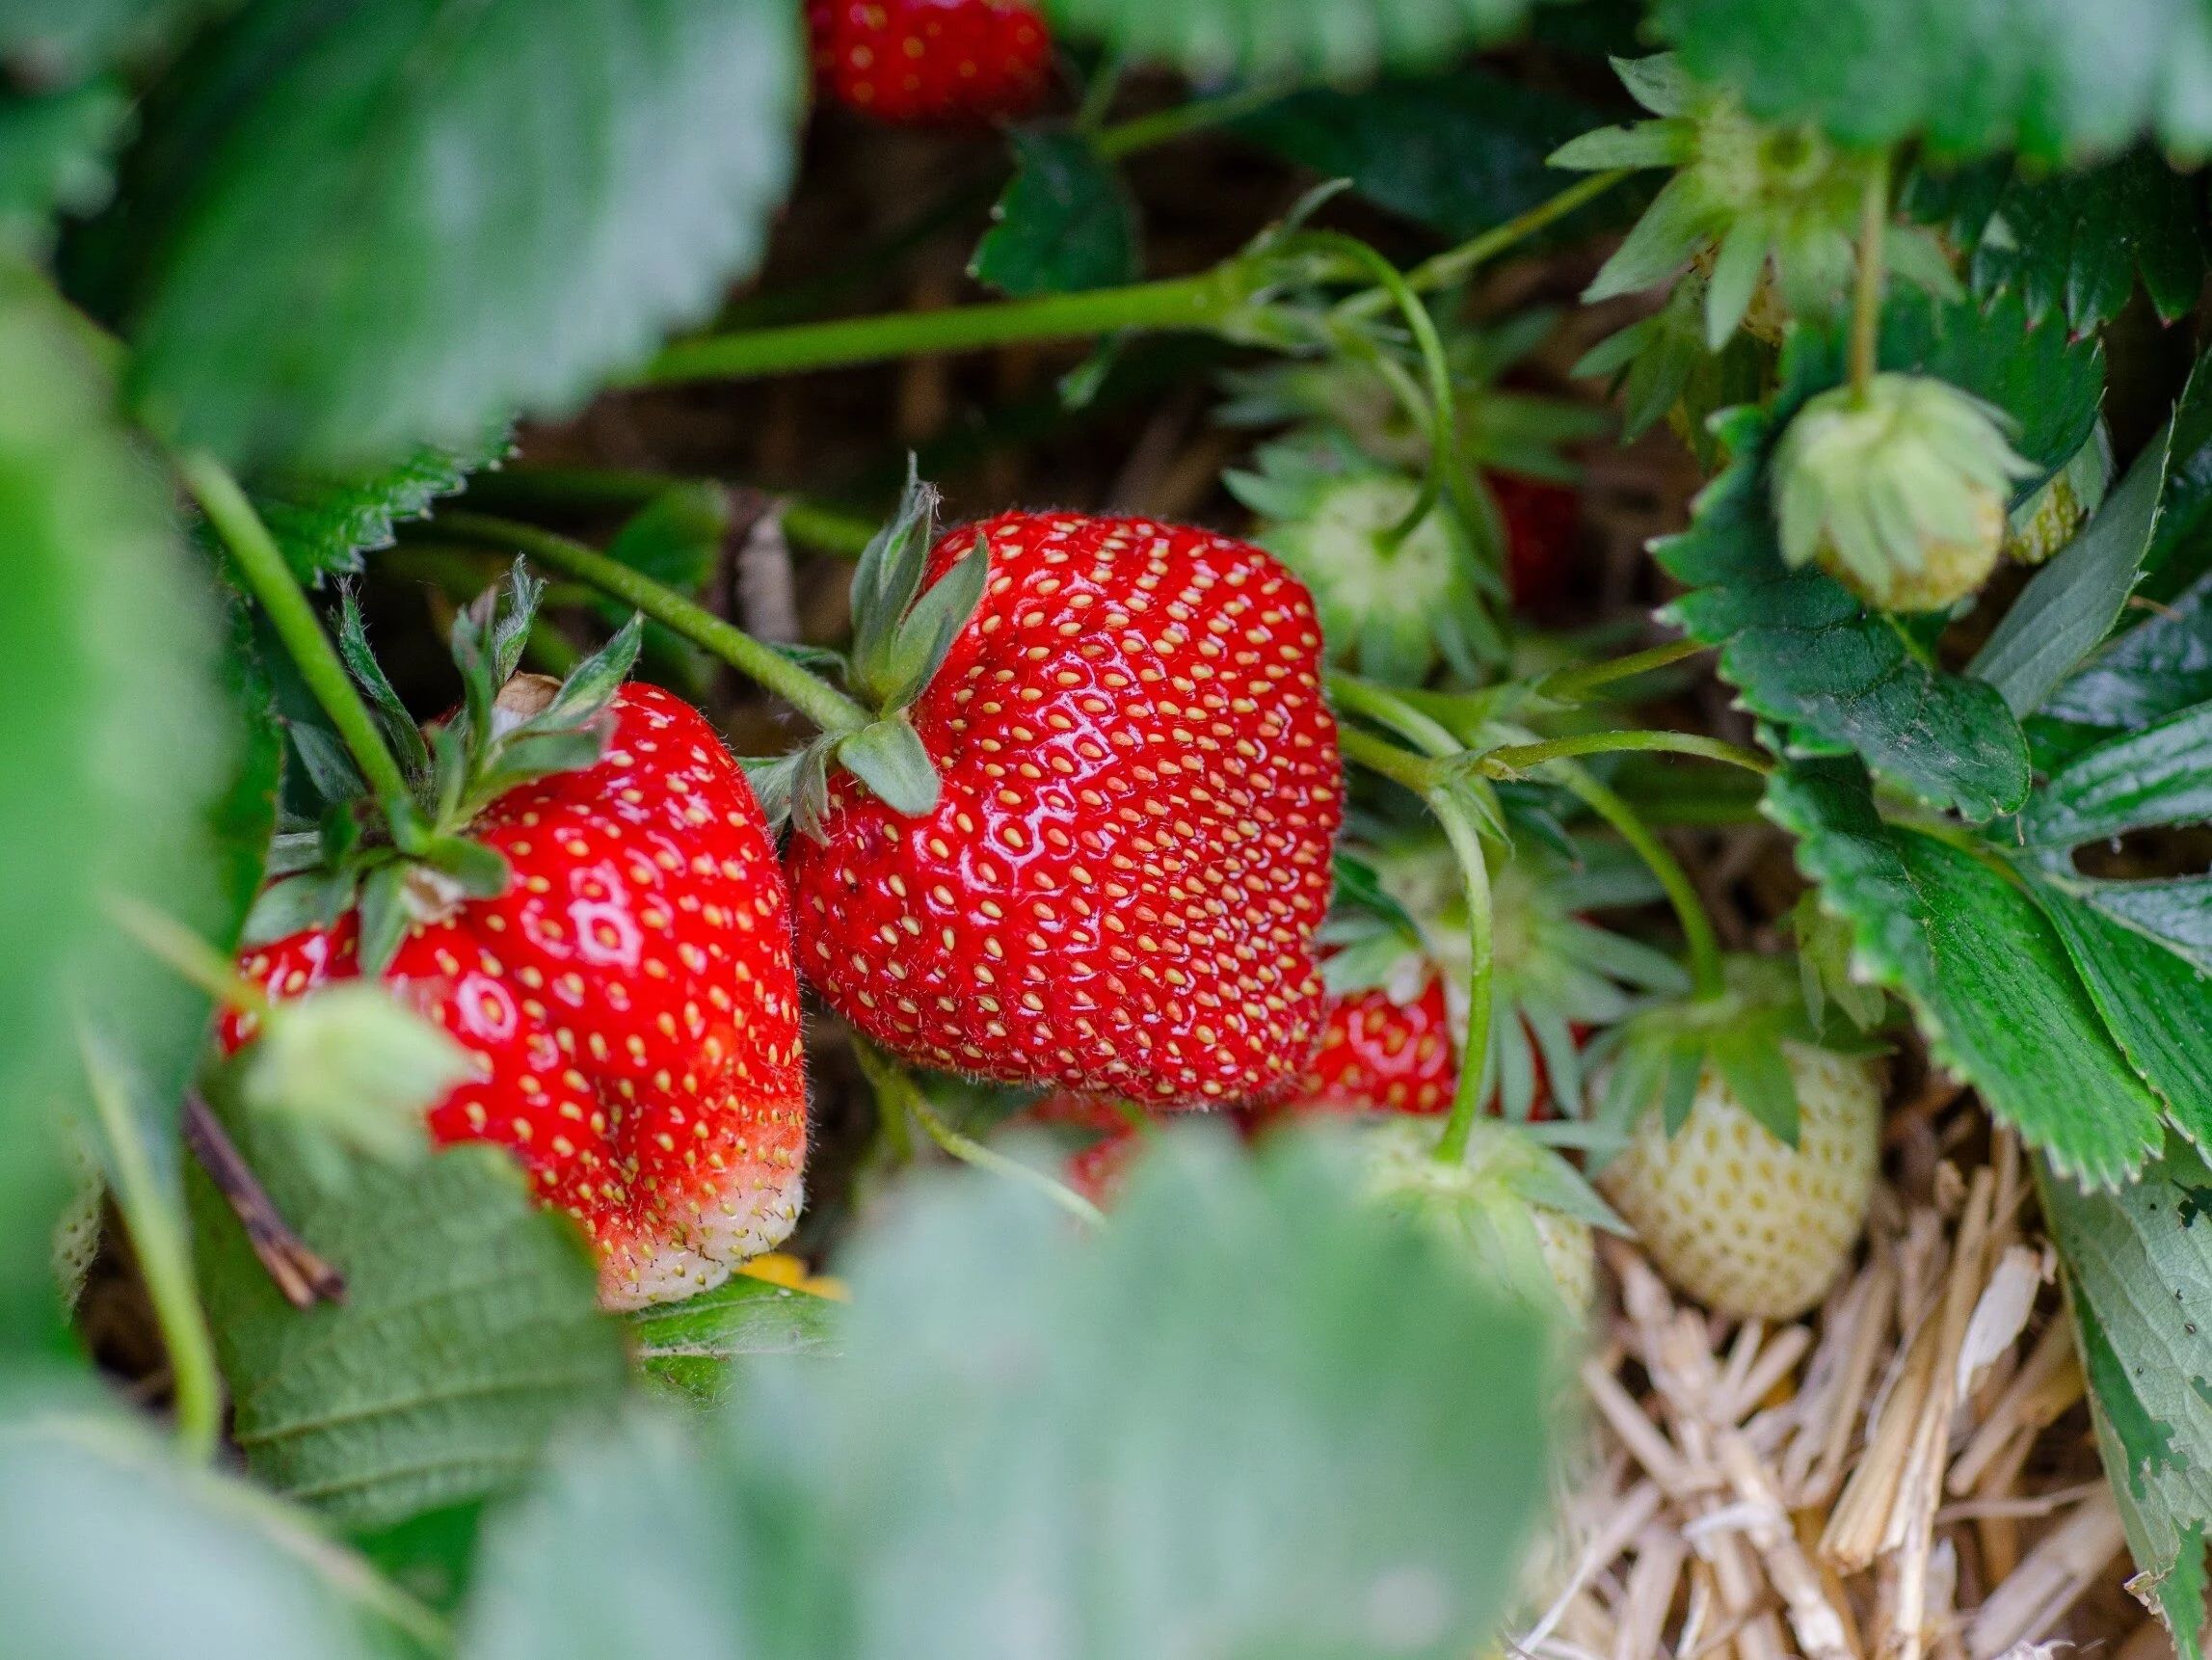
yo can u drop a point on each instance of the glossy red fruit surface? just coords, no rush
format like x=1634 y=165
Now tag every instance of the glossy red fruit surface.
x=1381 y=1055
x=630 y=1002
x=1118 y=888
x=931 y=62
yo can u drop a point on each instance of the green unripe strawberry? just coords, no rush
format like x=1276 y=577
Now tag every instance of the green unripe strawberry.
x=1900 y=493
x=1748 y=1227
x=2047 y=521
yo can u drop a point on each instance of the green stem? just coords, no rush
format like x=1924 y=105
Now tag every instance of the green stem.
x=1099 y=95
x=1681 y=892
x=1442 y=417
x=1444 y=269
x=1464 y=831
x=816 y=699
x=898 y=1093
x=1144 y=132
x=157 y=1234
x=1201 y=301
x=1572 y=685
x=1205 y=301
x=1520 y=757
x=262 y=562
x=1400 y=767
x=1389 y=706
x=1866 y=299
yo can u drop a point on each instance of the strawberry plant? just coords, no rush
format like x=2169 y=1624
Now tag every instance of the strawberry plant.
x=957 y=827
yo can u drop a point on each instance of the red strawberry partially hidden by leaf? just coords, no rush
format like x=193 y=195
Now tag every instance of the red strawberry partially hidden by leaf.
x=931 y=62
x=1378 y=1055
x=1541 y=521
x=628 y=998
x=1116 y=885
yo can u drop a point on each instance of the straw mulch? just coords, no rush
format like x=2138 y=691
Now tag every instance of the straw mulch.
x=1907 y=1471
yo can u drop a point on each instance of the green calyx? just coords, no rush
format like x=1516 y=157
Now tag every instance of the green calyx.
x=1754 y=203
x=903 y=630
x=1512 y=1210
x=1898 y=492
x=1390 y=600
x=1657 y=1056
x=410 y=861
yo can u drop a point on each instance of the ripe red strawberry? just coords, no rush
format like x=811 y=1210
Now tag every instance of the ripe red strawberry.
x=1540 y=522
x=1378 y=1055
x=629 y=1000
x=1117 y=885
x=931 y=62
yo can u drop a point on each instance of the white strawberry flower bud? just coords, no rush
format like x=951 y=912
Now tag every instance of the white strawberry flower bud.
x=1898 y=494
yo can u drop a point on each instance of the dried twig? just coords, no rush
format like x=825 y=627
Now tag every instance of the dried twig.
x=303 y=1276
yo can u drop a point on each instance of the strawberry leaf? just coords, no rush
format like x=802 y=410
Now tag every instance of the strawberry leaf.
x=216 y=1569
x=1991 y=982
x=697 y=1349
x=1066 y=222
x=2052 y=80
x=2073 y=243
x=124 y=751
x=1003 y=1370
x=54 y=151
x=1320 y=39
x=1459 y=152
x=324 y=525
x=421 y=216
x=2135 y=1264
x=469 y=1331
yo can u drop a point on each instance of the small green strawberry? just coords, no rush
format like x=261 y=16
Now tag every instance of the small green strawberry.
x=1753 y=1141
x=1898 y=492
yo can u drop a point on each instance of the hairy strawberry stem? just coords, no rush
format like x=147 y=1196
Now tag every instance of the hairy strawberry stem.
x=899 y=1096
x=1520 y=757
x=1866 y=299
x=158 y=1237
x=1464 y=829
x=1206 y=300
x=812 y=697
x=262 y=562
x=1572 y=685
x=1704 y=946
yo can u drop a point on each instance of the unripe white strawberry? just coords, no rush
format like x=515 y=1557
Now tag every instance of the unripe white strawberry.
x=1749 y=1227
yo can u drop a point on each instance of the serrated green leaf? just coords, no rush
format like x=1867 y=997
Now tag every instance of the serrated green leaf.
x=1991 y=984
x=2160 y=775
x=698 y=1349
x=119 y=746
x=2137 y=1268
x=2156 y=1004
x=1343 y=1471
x=111 y=1549
x=428 y=214
x=2157 y=668
x=2071 y=603
x=1266 y=38
x=471 y=1331
x=2073 y=243
x=1459 y=152
x=1065 y=222
x=325 y=524
x=2053 y=79
x=1806 y=653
